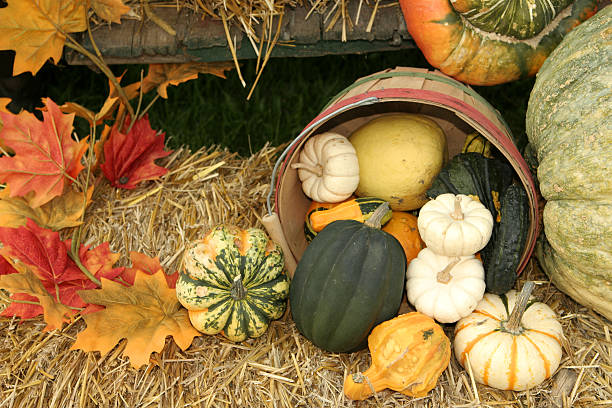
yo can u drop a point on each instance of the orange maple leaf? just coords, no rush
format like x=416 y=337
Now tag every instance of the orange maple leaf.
x=105 y=111
x=64 y=211
x=36 y=30
x=162 y=75
x=3 y=104
x=144 y=263
x=110 y=10
x=26 y=282
x=144 y=314
x=46 y=157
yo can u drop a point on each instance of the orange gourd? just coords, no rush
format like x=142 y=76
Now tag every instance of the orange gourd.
x=409 y=353
x=403 y=226
x=481 y=43
x=358 y=209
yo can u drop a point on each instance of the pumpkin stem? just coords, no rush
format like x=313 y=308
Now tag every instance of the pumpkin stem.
x=444 y=276
x=513 y=324
x=238 y=291
x=375 y=220
x=457 y=214
x=316 y=170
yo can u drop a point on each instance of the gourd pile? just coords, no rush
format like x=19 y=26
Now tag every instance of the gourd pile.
x=390 y=215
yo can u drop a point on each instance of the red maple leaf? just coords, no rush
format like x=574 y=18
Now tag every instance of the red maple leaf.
x=129 y=158
x=46 y=157
x=47 y=255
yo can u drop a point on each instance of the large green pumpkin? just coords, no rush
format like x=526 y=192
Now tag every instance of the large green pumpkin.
x=233 y=282
x=350 y=279
x=569 y=124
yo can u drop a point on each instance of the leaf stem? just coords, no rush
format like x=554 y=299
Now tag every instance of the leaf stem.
x=83 y=269
x=104 y=68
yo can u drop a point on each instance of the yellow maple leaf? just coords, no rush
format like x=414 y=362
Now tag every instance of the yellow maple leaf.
x=63 y=211
x=54 y=313
x=3 y=104
x=105 y=112
x=161 y=75
x=144 y=314
x=36 y=29
x=110 y=10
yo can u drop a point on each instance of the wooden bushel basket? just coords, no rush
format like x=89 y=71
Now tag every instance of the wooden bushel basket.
x=455 y=107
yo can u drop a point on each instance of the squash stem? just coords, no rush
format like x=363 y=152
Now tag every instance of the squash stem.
x=360 y=386
x=238 y=292
x=457 y=214
x=375 y=220
x=444 y=276
x=316 y=170
x=513 y=324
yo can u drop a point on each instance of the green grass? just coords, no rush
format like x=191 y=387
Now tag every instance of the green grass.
x=290 y=93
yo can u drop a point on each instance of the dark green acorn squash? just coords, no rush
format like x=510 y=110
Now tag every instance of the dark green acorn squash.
x=502 y=256
x=490 y=180
x=475 y=175
x=350 y=279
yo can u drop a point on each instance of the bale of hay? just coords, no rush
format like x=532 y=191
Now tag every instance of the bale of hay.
x=279 y=369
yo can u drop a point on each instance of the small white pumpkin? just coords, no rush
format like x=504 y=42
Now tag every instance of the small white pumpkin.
x=444 y=288
x=328 y=168
x=510 y=344
x=455 y=225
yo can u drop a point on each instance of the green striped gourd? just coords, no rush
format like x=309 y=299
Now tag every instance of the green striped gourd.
x=233 y=282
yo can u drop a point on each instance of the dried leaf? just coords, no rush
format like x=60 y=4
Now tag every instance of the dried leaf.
x=130 y=90
x=46 y=157
x=41 y=249
x=129 y=158
x=110 y=10
x=79 y=110
x=64 y=211
x=43 y=252
x=161 y=75
x=144 y=314
x=105 y=112
x=148 y=265
x=26 y=282
x=36 y=29
x=99 y=147
x=3 y=104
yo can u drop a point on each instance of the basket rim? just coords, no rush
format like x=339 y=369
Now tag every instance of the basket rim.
x=470 y=114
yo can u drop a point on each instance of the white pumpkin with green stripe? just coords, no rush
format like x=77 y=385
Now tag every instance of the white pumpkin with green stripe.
x=511 y=343
x=233 y=282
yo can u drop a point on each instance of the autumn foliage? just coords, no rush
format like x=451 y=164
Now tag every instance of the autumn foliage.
x=48 y=179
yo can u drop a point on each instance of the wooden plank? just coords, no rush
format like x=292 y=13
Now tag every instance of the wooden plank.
x=204 y=39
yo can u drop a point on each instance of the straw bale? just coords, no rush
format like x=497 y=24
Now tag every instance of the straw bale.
x=279 y=369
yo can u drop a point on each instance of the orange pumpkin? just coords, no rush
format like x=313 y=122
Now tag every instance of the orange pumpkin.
x=409 y=353
x=481 y=43
x=403 y=226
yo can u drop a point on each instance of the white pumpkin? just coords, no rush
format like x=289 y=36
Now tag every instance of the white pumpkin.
x=444 y=288
x=328 y=168
x=514 y=353
x=455 y=225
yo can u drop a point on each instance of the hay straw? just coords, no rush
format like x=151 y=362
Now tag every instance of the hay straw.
x=279 y=369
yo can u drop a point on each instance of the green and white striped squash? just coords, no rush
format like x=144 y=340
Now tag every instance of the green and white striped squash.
x=569 y=125
x=233 y=282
